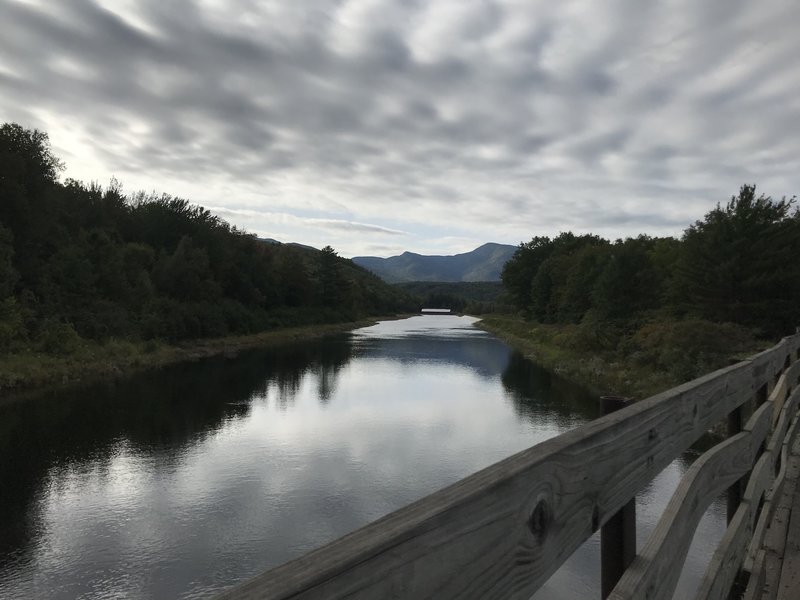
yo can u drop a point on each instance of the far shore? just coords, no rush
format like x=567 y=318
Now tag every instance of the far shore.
x=94 y=361
x=602 y=374
x=598 y=374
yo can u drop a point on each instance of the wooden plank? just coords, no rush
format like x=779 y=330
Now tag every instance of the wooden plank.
x=785 y=418
x=769 y=363
x=761 y=422
x=755 y=584
x=793 y=375
x=770 y=578
x=761 y=479
x=775 y=497
x=655 y=571
x=618 y=535
x=730 y=554
x=766 y=516
x=768 y=532
x=789 y=584
x=779 y=395
x=761 y=482
x=503 y=531
x=724 y=565
x=772 y=574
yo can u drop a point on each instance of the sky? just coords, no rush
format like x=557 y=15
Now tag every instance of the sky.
x=379 y=126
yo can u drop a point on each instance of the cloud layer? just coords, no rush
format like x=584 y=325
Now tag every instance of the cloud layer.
x=377 y=126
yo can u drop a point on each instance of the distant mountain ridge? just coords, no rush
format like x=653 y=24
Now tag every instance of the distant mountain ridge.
x=482 y=264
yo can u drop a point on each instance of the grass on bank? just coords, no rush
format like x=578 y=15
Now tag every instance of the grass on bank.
x=83 y=360
x=637 y=363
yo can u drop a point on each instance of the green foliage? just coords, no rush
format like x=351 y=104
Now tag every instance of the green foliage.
x=689 y=348
x=617 y=358
x=738 y=265
x=26 y=158
x=8 y=274
x=519 y=271
x=82 y=262
x=12 y=324
x=54 y=337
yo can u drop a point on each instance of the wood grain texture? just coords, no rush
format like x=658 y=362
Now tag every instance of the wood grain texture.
x=777 y=449
x=789 y=583
x=770 y=562
x=755 y=584
x=793 y=375
x=503 y=531
x=655 y=571
x=725 y=563
x=779 y=394
x=775 y=564
x=730 y=554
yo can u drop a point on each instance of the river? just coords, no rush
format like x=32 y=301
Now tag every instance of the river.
x=181 y=482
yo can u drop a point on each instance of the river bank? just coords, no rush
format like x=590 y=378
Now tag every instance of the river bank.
x=30 y=370
x=633 y=372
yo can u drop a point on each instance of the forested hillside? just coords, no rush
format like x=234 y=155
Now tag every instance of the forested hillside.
x=481 y=264
x=79 y=261
x=678 y=304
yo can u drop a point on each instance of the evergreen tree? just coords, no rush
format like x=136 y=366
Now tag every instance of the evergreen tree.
x=739 y=263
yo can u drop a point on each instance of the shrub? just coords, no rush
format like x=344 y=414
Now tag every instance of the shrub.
x=689 y=348
x=58 y=338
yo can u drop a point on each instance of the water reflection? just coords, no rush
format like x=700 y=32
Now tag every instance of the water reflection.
x=540 y=394
x=157 y=414
x=185 y=481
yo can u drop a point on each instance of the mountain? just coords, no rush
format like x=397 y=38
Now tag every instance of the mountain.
x=275 y=242
x=482 y=264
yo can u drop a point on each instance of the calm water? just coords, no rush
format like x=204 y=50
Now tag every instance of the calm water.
x=180 y=483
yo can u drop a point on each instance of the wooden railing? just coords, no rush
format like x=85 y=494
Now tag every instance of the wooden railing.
x=502 y=532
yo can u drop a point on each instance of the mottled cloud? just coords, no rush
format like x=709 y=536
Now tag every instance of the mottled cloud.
x=258 y=219
x=437 y=123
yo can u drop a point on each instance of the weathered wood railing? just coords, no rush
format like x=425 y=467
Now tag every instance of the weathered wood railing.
x=503 y=531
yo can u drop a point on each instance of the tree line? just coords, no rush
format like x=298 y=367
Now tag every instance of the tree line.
x=740 y=264
x=472 y=297
x=732 y=276
x=82 y=261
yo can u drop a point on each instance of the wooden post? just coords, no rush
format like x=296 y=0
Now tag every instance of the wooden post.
x=618 y=535
x=735 y=491
x=735 y=423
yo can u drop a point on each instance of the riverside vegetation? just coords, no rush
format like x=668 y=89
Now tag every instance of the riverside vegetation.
x=640 y=315
x=92 y=280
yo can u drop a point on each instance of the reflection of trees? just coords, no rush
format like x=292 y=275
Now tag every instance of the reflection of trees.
x=326 y=382
x=538 y=393
x=159 y=412
x=324 y=358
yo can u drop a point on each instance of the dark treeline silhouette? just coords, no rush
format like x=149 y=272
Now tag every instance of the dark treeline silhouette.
x=473 y=297
x=79 y=261
x=732 y=277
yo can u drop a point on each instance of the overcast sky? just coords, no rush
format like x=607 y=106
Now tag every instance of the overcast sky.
x=378 y=126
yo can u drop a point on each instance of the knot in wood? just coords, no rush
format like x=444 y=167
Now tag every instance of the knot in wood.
x=539 y=521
